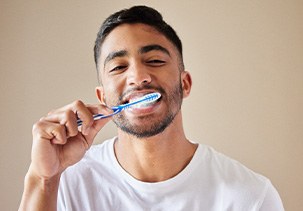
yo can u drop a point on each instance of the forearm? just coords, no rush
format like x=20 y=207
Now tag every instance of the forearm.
x=39 y=194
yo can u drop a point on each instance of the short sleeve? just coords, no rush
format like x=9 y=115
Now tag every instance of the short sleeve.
x=272 y=200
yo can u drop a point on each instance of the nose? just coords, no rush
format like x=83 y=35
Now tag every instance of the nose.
x=138 y=75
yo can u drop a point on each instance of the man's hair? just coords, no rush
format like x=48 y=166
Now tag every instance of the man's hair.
x=136 y=14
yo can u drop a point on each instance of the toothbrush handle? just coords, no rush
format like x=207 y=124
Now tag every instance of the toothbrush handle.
x=100 y=116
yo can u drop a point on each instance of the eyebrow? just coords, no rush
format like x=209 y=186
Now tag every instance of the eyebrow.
x=148 y=48
x=114 y=55
x=142 y=50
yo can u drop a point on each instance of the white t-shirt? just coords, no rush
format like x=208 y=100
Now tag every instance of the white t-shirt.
x=210 y=182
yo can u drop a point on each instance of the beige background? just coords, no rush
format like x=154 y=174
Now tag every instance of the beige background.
x=246 y=59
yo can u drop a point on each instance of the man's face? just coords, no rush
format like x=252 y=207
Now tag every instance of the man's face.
x=137 y=60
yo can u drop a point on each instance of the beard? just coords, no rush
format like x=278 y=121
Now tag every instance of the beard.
x=155 y=126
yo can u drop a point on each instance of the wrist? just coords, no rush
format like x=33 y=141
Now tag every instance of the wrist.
x=36 y=181
x=39 y=193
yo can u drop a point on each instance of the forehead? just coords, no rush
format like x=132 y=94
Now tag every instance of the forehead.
x=131 y=37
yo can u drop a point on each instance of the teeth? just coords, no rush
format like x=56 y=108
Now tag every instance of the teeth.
x=132 y=100
x=143 y=104
x=144 y=101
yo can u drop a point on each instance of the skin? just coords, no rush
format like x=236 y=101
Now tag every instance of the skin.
x=59 y=143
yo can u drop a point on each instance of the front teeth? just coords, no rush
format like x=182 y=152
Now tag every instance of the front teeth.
x=142 y=104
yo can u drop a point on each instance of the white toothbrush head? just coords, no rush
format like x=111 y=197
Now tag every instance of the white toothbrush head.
x=148 y=98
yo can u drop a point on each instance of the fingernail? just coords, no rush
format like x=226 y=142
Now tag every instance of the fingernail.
x=85 y=130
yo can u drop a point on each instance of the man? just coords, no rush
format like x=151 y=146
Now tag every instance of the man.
x=150 y=165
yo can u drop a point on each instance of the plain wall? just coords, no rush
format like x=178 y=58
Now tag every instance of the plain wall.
x=245 y=57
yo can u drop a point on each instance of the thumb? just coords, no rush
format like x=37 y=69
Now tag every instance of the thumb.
x=92 y=131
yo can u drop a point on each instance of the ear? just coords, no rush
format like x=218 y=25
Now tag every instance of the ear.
x=186 y=83
x=100 y=94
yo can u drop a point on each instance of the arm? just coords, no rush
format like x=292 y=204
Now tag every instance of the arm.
x=57 y=144
x=39 y=193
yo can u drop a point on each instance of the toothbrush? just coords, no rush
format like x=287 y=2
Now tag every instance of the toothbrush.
x=117 y=109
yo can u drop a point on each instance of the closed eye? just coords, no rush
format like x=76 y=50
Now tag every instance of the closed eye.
x=118 y=68
x=156 y=62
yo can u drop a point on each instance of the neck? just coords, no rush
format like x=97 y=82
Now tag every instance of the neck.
x=155 y=158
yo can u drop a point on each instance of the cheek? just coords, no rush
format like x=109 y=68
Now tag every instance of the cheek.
x=170 y=81
x=112 y=92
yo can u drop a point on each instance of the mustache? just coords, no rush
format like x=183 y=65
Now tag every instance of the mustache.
x=145 y=87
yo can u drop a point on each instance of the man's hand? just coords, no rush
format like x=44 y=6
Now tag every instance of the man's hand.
x=57 y=140
x=58 y=143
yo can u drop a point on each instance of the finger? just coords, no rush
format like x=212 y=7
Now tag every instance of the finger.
x=54 y=132
x=93 y=108
x=67 y=118
x=84 y=114
x=94 y=129
x=81 y=112
x=99 y=109
x=99 y=124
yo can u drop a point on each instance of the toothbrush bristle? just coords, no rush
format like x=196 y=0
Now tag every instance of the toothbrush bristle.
x=146 y=98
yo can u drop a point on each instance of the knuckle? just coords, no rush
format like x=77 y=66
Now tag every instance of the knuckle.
x=51 y=112
x=68 y=114
x=78 y=103
x=39 y=130
x=73 y=132
x=59 y=128
x=37 y=126
x=59 y=132
x=42 y=118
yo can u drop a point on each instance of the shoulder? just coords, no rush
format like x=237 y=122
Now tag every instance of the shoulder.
x=233 y=179
x=229 y=168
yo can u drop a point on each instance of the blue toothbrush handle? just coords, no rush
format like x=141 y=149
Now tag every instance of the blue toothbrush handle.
x=100 y=116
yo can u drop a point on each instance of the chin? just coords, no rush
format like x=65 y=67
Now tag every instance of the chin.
x=145 y=127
